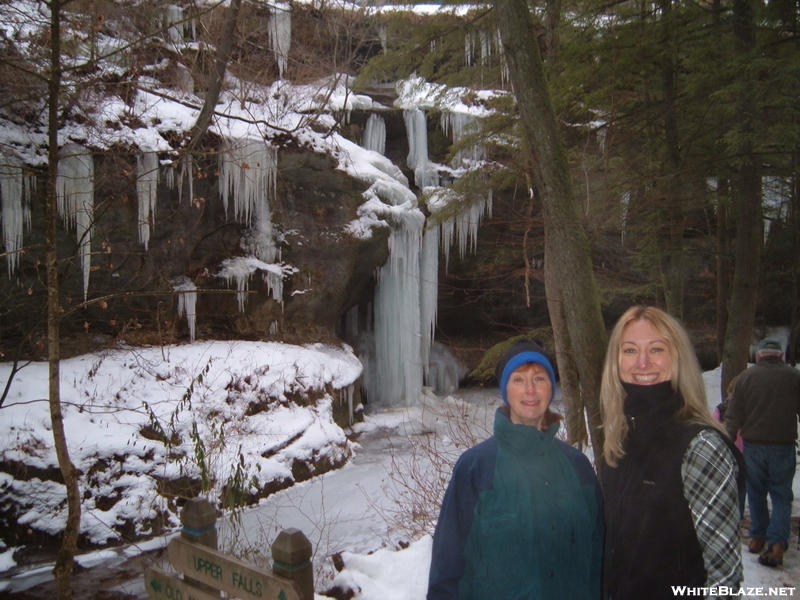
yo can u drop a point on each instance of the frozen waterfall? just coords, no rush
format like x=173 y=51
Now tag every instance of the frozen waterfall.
x=398 y=341
x=375 y=134
x=280 y=34
x=15 y=193
x=75 y=199
x=146 y=188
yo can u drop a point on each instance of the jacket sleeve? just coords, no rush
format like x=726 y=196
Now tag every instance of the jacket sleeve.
x=709 y=474
x=455 y=521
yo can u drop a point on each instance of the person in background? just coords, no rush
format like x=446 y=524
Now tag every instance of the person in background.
x=765 y=407
x=670 y=472
x=522 y=515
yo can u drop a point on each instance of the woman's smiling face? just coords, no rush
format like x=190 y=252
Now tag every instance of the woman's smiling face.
x=645 y=357
x=529 y=390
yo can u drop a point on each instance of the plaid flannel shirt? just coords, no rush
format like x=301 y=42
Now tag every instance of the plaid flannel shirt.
x=709 y=474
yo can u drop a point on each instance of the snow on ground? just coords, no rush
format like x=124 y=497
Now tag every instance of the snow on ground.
x=354 y=511
x=137 y=420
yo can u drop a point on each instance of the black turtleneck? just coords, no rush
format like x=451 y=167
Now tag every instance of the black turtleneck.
x=651 y=541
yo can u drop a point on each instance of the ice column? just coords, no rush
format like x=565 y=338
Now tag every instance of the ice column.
x=187 y=301
x=146 y=188
x=417 y=131
x=280 y=34
x=15 y=190
x=428 y=291
x=75 y=200
x=375 y=134
x=399 y=372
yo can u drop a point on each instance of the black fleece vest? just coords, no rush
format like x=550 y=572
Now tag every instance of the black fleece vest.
x=651 y=540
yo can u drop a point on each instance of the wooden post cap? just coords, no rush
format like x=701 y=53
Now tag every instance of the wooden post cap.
x=198 y=513
x=291 y=547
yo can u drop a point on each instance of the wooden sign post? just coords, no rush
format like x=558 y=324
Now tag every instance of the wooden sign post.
x=231 y=575
x=207 y=572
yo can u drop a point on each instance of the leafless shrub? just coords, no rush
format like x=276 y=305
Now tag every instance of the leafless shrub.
x=418 y=476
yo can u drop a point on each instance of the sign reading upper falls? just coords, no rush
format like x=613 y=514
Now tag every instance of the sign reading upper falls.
x=220 y=571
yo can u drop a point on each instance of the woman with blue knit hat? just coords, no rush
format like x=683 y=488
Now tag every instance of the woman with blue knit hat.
x=522 y=515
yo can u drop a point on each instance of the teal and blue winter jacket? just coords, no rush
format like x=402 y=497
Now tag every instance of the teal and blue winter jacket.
x=521 y=520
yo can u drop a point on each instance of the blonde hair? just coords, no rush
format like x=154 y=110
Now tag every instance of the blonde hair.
x=686 y=378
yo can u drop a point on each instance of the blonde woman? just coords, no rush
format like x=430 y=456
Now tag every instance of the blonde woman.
x=670 y=472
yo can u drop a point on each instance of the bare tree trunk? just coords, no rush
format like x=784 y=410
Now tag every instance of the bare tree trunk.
x=672 y=214
x=794 y=329
x=568 y=248
x=218 y=77
x=723 y=267
x=567 y=369
x=749 y=221
x=69 y=542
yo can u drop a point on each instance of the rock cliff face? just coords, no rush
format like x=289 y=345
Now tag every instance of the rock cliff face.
x=191 y=237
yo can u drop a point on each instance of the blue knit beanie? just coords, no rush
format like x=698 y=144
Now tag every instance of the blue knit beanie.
x=522 y=352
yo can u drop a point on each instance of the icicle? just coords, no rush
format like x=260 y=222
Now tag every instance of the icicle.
x=280 y=34
x=173 y=22
x=172 y=180
x=428 y=291
x=247 y=172
x=383 y=34
x=465 y=226
x=417 y=131
x=169 y=176
x=399 y=373
x=75 y=200
x=469 y=44
x=15 y=190
x=187 y=301
x=274 y=328
x=461 y=125
x=240 y=269
x=375 y=134
x=146 y=188
x=349 y=393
